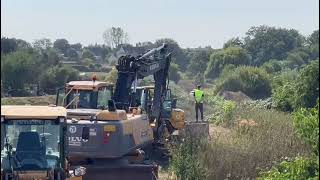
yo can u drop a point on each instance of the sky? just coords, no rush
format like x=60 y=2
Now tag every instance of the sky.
x=192 y=23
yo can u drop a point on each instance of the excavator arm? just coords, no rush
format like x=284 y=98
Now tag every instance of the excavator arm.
x=155 y=62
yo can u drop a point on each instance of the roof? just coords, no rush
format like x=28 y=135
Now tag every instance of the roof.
x=28 y=111
x=87 y=85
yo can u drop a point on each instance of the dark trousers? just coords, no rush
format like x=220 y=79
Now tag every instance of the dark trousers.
x=199 y=106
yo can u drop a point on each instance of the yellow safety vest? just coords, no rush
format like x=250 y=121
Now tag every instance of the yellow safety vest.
x=198 y=94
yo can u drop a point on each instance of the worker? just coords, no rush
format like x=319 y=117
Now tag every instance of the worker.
x=198 y=96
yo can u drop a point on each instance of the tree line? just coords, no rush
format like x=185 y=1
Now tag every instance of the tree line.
x=255 y=64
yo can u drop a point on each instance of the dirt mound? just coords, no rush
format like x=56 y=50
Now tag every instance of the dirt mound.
x=234 y=96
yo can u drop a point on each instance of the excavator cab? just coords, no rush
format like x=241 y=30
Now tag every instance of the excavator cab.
x=173 y=116
x=85 y=95
x=33 y=143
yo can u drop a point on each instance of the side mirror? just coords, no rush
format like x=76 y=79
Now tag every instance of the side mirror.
x=174 y=103
x=85 y=133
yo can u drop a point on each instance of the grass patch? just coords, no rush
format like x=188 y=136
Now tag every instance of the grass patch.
x=36 y=100
x=248 y=147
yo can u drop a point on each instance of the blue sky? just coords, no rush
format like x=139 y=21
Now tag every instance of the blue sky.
x=191 y=23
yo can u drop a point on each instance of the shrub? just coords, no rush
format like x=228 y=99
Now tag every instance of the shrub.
x=298 y=168
x=283 y=90
x=272 y=66
x=112 y=76
x=57 y=77
x=252 y=81
x=232 y=55
x=237 y=154
x=306 y=122
x=220 y=111
x=185 y=162
x=307 y=86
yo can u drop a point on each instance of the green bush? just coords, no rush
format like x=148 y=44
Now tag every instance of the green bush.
x=307 y=86
x=232 y=55
x=283 y=90
x=306 y=122
x=299 y=168
x=220 y=111
x=252 y=81
x=185 y=162
x=173 y=72
x=272 y=66
x=56 y=77
x=112 y=76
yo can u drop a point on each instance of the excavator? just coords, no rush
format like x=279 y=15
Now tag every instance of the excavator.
x=106 y=129
x=33 y=144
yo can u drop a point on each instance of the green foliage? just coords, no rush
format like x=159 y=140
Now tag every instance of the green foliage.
x=9 y=45
x=232 y=55
x=221 y=111
x=298 y=168
x=296 y=59
x=112 y=76
x=233 y=42
x=18 y=69
x=57 y=77
x=307 y=86
x=272 y=66
x=173 y=72
x=198 y=62
x=177 y=53
x=44 y=43
x=306 y=122
x=252 y=81
x=185 y=160
x=87 y=54
x=265 y=43
x=62 y=45
x=283 y=90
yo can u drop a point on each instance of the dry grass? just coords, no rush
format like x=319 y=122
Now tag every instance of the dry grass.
x=255 y=141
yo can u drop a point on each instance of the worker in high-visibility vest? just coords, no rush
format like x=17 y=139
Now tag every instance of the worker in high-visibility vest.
x=198 y=97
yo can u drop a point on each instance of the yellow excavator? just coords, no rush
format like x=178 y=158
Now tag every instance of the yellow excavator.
x=33 y=144
x=107 y=129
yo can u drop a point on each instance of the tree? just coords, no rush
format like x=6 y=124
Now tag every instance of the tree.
x=56 y=77
x=62 y=45
x=313 y=43
x=177 y=53
x=115 y=36
x=99 y=50
x=76 y=46
x=8 y=45
x=232 y=55
x=198 y=62
x=173 y=73
x=252 y=81
x=87 y=54
x=272 y=66
x=307 y=86
x=18 y=69
x=42 y=44
x=233 y=42
x=264 y=43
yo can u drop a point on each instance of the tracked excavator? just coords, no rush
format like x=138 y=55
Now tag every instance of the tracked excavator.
x=106 y=130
